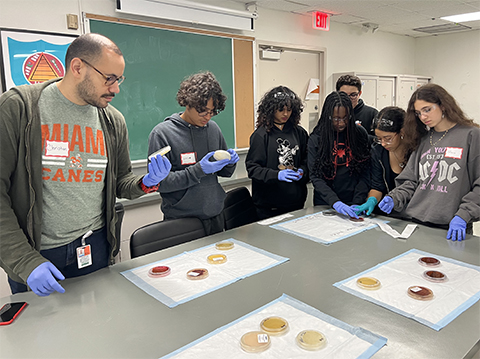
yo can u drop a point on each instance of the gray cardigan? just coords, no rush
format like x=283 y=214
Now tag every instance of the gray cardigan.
x=21 y=178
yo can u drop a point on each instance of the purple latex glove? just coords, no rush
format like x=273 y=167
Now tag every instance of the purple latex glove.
x=158 y=168
x=287 y=175
x=386 y=204
x=457 y=229
x=344 y=209
x=43 y=281
x=210 y=167
x=233 y=156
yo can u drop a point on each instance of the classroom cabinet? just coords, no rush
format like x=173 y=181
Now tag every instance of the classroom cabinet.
x=381 y=90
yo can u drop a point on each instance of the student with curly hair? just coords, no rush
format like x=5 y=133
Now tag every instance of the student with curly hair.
x=191 y=189
x=277 y=159
x=339 y=157
x=390 y=154
x=440 y=186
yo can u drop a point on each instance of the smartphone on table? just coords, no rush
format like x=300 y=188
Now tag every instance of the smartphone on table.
x=10 y=311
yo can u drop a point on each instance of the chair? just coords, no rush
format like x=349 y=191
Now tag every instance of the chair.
x=239 y=209
x=168 y=233
x=118 y=224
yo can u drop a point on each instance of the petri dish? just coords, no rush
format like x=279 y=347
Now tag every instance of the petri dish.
x=429 y=261
x=434 y=276
x=197 y=274
x=353 y=219
x=274 y=325
x=311 y=340
x=329 y=212
x=162 y=151
x=221 y=155
x=420 y=293
x=255 y=342
x=217 y=258
x=224 y=246
x=369 y=283
x=159 y=271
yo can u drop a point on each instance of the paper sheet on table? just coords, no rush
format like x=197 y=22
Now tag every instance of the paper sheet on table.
x=243 y=261
x=271 y=220
x=343 y=340
x=406 y=233
x=451 y=298
x=325 y=229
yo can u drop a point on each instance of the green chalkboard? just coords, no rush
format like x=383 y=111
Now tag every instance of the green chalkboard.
x=156 y=61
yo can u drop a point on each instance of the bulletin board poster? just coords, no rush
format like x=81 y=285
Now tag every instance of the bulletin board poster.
x=29 y=57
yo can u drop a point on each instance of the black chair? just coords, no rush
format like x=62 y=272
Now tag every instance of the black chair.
x=160 y=235
x=239 y=209
x=118 y=224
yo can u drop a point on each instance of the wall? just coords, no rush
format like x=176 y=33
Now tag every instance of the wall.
x=454 y=62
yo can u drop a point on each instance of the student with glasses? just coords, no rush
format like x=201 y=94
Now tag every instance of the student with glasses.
x=390 y=154
x=440 y=186
x=65 y=160
x=277 y=159
x=363 y=114
x=191 y=189
x=339 y=157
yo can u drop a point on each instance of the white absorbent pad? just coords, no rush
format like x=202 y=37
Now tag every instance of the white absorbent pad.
x=243 y=260
x=450 y=298
x=343 y=340
x=325 y=229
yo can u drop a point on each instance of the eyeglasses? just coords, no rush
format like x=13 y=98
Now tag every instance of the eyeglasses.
x=354 y=95
x=283 y=96
x=210 y=112
x=338 y=119
x=109 y=80
x=387 y=139
x=425 y=111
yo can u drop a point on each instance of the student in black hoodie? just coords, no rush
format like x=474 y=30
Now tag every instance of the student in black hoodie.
x=339 y=157
x=363 y=114
x=277 y=159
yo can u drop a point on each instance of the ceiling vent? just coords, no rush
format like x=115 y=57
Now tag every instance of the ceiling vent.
x=441 y=29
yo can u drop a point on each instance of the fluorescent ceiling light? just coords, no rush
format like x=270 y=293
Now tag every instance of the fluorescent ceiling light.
x=471 y=16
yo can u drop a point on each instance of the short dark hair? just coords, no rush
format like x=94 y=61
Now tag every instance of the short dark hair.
x=89 y=47
x=276 y=99
x=197 y=89
x=348 y=80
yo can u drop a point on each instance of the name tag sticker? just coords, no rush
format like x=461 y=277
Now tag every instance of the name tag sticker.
x=454 y=152
x=188 y=158
x=56 y=149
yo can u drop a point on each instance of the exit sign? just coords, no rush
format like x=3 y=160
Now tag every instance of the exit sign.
x=321 y=21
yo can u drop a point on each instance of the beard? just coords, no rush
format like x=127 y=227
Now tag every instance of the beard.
x=87 y=92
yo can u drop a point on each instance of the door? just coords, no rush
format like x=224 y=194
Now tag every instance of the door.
x=385 y=92
x=294 y=70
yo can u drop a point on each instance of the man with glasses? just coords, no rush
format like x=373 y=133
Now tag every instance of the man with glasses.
x=65 y=160
x=192 y=189
x=364 y=114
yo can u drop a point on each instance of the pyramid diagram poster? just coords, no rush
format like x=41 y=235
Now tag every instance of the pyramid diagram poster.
x=32 y=57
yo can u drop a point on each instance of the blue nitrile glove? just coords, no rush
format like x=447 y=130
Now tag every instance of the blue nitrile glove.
x=158 y=169
x=457 y=229
x=233 y=156
x=342 y=208
x=287 y=175
x=386 y=204
x=367 y=207
x=42 y=280
x=209 y=167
